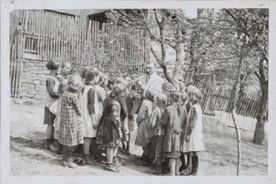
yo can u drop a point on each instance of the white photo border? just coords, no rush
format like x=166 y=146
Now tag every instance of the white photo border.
x=8 y=5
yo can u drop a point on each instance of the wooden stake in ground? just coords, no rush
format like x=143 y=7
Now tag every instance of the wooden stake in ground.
x=233 y=112
x=238 y=141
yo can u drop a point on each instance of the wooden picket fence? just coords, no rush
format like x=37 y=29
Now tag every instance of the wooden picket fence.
x=222 y=99
x=63 y=37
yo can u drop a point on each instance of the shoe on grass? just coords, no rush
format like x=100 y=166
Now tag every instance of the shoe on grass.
x=111 y=167
x=72 y=165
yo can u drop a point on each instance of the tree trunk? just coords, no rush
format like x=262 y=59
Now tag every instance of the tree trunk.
x=178 y=55
x=259 y=133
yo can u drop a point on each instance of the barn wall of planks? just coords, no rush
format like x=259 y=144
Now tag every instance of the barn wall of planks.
x=38 y=36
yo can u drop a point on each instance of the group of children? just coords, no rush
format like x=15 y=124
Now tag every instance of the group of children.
x=87 y=109
x=170 y=130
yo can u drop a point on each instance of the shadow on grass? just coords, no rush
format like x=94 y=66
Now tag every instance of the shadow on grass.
x=19 y=144
x=27 y=143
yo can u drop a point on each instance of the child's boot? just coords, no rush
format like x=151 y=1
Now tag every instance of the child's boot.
x=187 y=171
x=48 y=143
x=116 y=161
x=111 y=167
x=88 y=160
x=70 y=162
x=64 y=156
x=54 y=146
x=183 y=163
x=127 y=149
x=195 y=165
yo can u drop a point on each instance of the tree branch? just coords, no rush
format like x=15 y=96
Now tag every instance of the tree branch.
x=261 y=70
x=229 y=13
x=258 y=76
x=162 y=65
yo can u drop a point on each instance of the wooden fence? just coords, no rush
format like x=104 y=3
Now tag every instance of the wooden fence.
x=222 y=99
x=53 y=36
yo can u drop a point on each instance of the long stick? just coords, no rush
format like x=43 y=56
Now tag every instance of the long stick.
x=238 y=141
x=233 y=112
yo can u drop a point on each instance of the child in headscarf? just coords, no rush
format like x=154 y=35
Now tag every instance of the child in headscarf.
x=70 y=130
x=124 y=114
x=193 y=136
x=144 y=132
x=63 y=79
x=155 y=121
x=173 y=123
x=185 y=104
x=109 y=132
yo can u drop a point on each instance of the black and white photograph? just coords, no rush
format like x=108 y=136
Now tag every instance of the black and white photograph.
x=180 y=91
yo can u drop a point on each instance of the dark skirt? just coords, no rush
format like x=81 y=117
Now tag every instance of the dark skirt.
x=49 y=117
x=156 y=146
x=108 y=136
x=173 y=154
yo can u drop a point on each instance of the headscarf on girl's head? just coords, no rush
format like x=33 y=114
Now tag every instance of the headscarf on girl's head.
x=174 y=96
x=74 y=82
x=161 y=99
x=194 y=93
x=118 y=88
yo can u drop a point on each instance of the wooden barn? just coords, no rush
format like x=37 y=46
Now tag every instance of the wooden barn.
x=81 y=37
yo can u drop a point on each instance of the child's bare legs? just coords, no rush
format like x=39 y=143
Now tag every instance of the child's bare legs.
x=115 y=157
x=49 y=134
x=194 y=163
x=86 y=147
x=67 y=152
x=110 y=153
x=172 y=164
x=95 y=149
x=145 y=152
x=64 y=153
x=183 y=162
x=188 y=169
x=128 y=144
x=177 y=166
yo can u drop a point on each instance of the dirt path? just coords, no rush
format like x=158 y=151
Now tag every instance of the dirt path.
x=28 y=156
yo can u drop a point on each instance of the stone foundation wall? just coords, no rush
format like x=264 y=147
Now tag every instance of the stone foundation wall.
x=33 y=83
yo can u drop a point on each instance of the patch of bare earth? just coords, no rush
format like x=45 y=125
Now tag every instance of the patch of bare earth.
x=28 y=156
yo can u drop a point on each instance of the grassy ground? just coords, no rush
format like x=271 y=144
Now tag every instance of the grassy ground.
x=28 y=156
